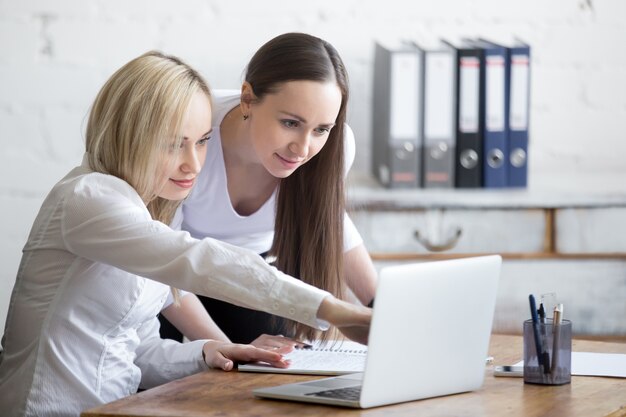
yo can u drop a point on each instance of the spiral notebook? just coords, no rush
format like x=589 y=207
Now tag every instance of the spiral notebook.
x=335 y=357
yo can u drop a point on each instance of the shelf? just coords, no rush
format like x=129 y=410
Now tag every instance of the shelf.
x=385 y=257
x=364 y=193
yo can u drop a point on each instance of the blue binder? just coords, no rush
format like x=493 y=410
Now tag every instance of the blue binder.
x=494 y=108
x=519 y=109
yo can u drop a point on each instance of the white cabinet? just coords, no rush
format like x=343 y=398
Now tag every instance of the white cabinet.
x=455 y=231
x=591 y=230
x=571 y=244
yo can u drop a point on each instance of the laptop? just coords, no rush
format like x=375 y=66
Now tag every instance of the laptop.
x=429 y=337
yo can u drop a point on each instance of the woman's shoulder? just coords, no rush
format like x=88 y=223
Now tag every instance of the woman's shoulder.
x=86 y=188
x=348 y=136
x=96 y=181
x=223 y=101
x=84 y=194
x=225 y=93
x=349 y=148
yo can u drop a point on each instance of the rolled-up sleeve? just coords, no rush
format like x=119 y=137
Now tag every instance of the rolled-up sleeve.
x=106 y=221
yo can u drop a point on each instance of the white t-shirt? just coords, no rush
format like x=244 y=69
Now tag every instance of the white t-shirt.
x=82 y=328
x=208 y=210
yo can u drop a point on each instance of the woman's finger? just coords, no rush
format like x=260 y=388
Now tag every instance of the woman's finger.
x=283 y=343
x=249 y=353
x=216 y=360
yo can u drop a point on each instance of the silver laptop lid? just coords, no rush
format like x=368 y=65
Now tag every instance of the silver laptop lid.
x=444 y=314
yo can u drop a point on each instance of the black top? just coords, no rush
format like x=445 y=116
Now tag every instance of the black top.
x=241 y=325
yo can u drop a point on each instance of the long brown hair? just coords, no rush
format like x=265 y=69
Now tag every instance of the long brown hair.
x=308 y=233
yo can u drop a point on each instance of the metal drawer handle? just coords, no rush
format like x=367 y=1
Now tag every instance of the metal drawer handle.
x=433 y=247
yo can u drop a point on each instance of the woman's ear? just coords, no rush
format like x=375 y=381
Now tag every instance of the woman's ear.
x=247 y=97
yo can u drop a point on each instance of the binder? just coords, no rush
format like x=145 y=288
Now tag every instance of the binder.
x=396 y=118
x=519 y=108
x=494 y=103
x=438 y=128
x=469 y=150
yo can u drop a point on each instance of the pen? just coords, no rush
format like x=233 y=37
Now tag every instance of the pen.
x=542 y=319
x=542 y=313
x=556 y=335
x=542 y=357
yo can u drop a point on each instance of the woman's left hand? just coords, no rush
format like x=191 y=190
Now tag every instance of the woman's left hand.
x=223 y=355
x=278 y=343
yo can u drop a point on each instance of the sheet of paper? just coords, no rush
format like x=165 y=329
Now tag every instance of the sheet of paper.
x=597 y=364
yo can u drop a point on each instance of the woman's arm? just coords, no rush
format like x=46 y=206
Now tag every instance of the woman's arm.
x=223 y=355
x=351 y=319
x=360 y=273
x=106 y=221
x=163 y=360
x=192 y=320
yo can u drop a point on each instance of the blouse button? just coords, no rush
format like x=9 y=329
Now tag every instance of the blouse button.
x=292 y=311
x=276 y=305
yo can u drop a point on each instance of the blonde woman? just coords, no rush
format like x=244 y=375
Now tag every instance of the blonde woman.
x=100 y=262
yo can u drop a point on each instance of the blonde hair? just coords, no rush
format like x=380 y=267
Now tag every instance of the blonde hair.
x=135 y=117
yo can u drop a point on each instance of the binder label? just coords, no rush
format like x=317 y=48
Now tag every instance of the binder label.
x=495 y=93
x=468 y=94
x=439 y=96
x=519 y=92
x=405 y=93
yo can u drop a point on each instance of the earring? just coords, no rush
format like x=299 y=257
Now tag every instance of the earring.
x=245 y=117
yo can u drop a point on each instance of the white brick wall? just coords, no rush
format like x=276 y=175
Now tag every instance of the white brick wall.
x=55 y=55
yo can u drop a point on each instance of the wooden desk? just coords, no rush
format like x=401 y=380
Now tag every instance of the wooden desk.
x=217 y=393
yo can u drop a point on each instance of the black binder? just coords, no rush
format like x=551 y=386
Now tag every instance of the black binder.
x=469 y=143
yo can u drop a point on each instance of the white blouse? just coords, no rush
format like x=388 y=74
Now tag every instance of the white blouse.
x=82 y=328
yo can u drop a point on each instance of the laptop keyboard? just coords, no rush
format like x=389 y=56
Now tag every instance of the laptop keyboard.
x=349 y=393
